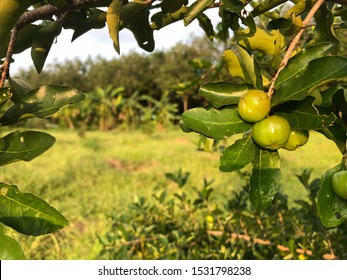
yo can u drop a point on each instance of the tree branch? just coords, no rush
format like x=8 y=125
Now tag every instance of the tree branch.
x=31 y=16
x=293 y=44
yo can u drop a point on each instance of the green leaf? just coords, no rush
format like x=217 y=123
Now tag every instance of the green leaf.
x=306 y=115
x=243 y=65
x=265 y=178
x=171 y=6
x=319 y=71
x=5 y=95
x=223 y=93
x=131 y=11
x=24 y=146
x=297 y=64
x=27 y=213
x=337 y=134
x=160 y=19
x=332 y=209
x=234 y=6
x=42 y=42
x=41 y=102
x=339 y=100
x=143 y=32
x=324 y=30
x=96 y=20
x=113 y=22
x=206 y=25
x=10 y=249
x=18 y=88
x=265 y=6
x=25 y=38
x=238 y=155
x=214 y=123
x=269 y=42
x=195 y=9
x=184 y=127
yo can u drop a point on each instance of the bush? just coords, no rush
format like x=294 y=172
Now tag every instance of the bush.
x=190 y=224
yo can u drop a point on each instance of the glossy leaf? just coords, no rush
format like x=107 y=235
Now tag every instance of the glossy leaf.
x=41 y=102
x=269 y=42
x=5 y=95
x=305 y=115
x=265 y=178
x=184 y=127
x=238 y=155
x=243 y=65
x=297 y=64
x=160 y=19
x=195 y=9
x=24 y=146
x=264 y=6
x=10 y=249
x=319 y=71
x=113 y=22
x=223 y=93
x=332 y=209
x=27 y=213
x=214 y=123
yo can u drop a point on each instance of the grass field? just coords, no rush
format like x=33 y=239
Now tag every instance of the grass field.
x=88 y=178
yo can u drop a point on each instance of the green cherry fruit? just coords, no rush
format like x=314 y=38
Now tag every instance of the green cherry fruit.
x=271 y=133
x=297 y=138
x=339 y=182
x=254 y=106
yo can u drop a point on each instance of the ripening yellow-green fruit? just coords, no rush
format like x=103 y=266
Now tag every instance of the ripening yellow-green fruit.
x=10 y=11
x=254 y=106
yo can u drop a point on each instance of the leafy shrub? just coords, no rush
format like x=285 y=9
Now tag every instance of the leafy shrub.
x=190 y=224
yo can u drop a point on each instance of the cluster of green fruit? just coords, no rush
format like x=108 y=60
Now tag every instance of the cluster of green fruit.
x=269 y=132
x=274 y=132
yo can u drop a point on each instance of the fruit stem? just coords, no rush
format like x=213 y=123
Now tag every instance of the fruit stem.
x=293 y=44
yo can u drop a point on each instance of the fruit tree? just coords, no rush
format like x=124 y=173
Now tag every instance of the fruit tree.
x=288 y=74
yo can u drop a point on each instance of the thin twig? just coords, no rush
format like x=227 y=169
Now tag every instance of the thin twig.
x=293 y=44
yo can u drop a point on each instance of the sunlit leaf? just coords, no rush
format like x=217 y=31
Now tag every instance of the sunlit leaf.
x=265 y=178
x=223 y=93
x=319 y=71
x=5 y=95
x=24 y=146
x=214 y=123
x=113 y=22
x=238 y=155
x=27 y=213
x=297 y=64
x=195 y=9
x=10 y=249
x=41 y=102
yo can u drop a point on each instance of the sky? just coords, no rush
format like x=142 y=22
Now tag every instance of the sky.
x=98 y=43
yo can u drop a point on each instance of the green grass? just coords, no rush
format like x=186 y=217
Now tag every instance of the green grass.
x=90 y=178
